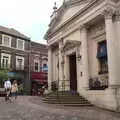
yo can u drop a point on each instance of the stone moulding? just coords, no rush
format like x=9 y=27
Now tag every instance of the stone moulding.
x=80 y=13
x=70 y=44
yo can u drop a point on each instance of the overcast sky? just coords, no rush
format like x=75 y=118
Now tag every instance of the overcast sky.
x=30 y=17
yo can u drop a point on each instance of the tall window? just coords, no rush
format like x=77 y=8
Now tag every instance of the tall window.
x=5 y=60
x=20 y=44
x=102 y=57
x=36 y=67
x=19 y=63
x=6 y=40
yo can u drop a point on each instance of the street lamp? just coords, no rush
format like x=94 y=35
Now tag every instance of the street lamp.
x=78 y=57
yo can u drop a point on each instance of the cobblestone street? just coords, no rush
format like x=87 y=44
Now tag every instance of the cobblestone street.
x=32 y=108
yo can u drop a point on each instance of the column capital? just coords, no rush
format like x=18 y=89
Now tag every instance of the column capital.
x=84 y=27
x=61 y=41
x=117 y=15
x=108 y=13
x=50 y=47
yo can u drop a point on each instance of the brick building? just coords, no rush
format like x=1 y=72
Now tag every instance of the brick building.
x=14 y=54
x=38 y=65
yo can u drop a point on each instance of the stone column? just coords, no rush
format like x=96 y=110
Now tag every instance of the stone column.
x=49 y=67
x=84 y=50
x=66 y=70
x=113 y=67
x=78 y=65
x=117 y=23
x=61 y=64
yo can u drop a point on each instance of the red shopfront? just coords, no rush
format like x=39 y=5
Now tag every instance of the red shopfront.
x=39 y=79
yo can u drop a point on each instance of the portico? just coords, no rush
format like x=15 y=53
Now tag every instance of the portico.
x=85 y=44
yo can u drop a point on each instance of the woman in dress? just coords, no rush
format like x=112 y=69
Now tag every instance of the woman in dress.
x=14 y=89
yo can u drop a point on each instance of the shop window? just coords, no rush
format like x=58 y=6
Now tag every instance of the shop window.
x=45 y=67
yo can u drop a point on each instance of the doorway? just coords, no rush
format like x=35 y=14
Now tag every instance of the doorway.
x=73 y=72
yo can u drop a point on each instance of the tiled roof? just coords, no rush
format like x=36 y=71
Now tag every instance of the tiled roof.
x=13 y=32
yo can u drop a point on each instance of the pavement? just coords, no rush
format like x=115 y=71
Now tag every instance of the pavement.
x=32 y=108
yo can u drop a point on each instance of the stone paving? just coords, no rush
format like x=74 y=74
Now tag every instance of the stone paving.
x=32 y=108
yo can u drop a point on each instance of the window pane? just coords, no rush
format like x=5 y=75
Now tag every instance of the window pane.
x=20 y=44
x=6 y=41
x=19 y=63
x=103 y=65
x=5 y=61
x=36 y=66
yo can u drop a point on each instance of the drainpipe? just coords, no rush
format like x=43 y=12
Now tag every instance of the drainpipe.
x=29 y=68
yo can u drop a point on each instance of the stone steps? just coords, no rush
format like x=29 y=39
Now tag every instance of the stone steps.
x=66 y=99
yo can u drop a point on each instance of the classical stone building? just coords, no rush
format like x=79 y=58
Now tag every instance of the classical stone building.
x=84 y=46
x=14 y=54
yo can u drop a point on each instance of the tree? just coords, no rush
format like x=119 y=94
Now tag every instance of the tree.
x=3 y=76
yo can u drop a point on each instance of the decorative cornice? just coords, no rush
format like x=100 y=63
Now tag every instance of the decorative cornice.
x=115 y=1
x=108 y=13
x=62 y=9
x=117 y=15
x=70 y=44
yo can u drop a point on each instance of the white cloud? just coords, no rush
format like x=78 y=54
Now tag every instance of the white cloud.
x=24 y=14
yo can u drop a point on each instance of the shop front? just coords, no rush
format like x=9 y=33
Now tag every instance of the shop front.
x=39 y=83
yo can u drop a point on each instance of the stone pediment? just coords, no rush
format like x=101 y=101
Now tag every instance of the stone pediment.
x=67 y=11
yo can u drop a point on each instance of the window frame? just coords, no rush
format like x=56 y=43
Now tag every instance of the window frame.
x=103 y=59
x=23 y=44
x=37 y=61
x=101 y=71
x=22 y=64
x=8 y=56
x=3 y=42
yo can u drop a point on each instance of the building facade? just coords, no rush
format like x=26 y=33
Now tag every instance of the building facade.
x=38 y=65
x=14 y=54
x=83 y=50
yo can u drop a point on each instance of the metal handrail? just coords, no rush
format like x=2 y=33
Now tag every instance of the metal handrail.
x=99 y=82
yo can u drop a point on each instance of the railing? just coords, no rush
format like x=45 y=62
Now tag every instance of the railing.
x=62 y=85
x=98 y=83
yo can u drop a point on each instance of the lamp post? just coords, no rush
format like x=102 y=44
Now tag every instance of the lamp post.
x=78 y=57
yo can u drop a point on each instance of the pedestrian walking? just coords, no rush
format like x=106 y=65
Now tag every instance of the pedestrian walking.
x=14 y=89
x=7 y=86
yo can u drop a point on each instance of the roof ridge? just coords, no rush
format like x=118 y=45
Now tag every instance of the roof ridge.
x=13 y=32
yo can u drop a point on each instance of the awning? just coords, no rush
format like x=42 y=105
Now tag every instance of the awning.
x=39 y=81
x=16 y=75
x=102 y=50
x=38 y=75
